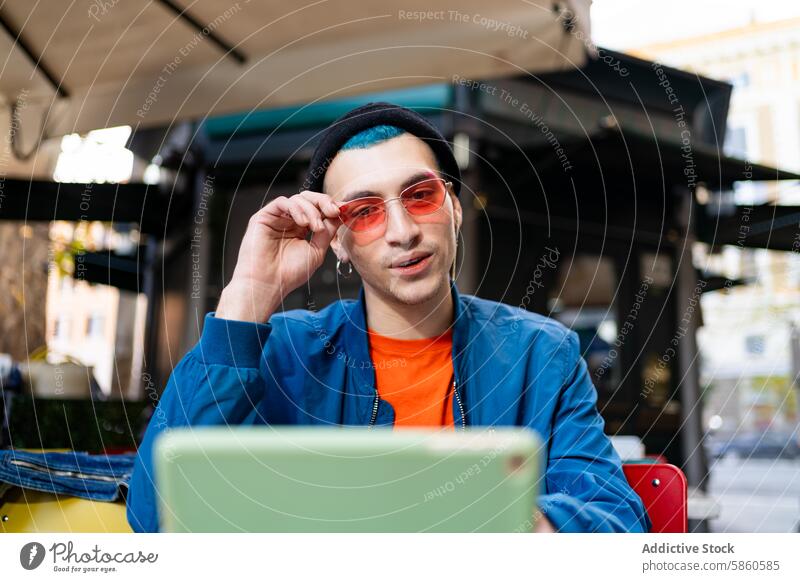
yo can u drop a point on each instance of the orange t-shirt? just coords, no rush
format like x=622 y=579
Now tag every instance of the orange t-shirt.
x=416 y=377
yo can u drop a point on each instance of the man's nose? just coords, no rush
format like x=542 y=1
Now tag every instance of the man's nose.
x=401 y=228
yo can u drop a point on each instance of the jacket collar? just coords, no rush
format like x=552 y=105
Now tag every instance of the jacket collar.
x=357 y=342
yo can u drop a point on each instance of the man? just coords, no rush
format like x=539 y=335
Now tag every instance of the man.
x=382 y=192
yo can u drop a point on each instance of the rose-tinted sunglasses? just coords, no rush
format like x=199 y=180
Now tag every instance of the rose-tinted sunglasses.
x=368 y=212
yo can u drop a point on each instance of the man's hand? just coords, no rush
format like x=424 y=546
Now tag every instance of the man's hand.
x=543 y=525
x=275 y=257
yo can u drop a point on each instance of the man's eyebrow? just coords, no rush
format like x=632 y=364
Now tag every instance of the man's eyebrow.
x=418 y=177
x=360 y=194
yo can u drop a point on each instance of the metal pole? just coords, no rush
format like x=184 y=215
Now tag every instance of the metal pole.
x=688 y=372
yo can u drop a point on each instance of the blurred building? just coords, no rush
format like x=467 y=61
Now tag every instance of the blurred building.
x=100 y=326
x=746 y=340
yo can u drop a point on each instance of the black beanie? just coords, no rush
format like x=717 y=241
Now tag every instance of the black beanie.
x=370 y=115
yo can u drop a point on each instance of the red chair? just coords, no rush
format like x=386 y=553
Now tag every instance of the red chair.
x=662 y=488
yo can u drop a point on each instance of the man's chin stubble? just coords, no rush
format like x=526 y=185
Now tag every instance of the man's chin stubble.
x=414 y=295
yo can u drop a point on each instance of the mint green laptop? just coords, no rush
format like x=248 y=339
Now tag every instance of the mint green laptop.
x=331 y=479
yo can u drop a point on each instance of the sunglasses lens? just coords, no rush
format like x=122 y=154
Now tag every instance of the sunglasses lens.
x=362 y=214
x=366 y=213
x=425 y=197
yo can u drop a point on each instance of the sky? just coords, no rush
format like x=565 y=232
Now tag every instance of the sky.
x=624 y=24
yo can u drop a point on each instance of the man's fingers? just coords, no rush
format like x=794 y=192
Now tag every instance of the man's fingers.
x=282 y=207
x=321 y=201
x=306 y=210
x=311 y=211
x=322 y=238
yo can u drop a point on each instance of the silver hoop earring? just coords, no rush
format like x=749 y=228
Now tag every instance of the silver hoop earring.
x=339 y=270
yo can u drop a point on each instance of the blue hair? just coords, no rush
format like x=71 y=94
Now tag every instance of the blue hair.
x=372 y=136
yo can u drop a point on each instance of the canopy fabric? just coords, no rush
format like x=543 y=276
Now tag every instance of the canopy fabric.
x=89 y=64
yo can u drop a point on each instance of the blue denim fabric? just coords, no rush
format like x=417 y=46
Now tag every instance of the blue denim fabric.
x=95 y=477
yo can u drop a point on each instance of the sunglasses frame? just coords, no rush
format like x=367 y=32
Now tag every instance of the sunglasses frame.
x=447 y=185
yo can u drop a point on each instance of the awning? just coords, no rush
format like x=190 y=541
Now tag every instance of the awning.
x=88 y=64
x=763 y=226
x=610 y=154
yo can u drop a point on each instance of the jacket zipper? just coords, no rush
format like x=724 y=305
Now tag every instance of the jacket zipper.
x=374 y=409
x=460 y=407
x=455 y=393
x=61 y=473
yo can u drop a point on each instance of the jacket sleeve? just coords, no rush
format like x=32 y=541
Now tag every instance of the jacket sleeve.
x=586 y=490
x=217 y=382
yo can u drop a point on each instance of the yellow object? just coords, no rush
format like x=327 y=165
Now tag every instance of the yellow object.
x=27 y=511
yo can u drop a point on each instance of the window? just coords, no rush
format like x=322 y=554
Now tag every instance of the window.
x=755 y=344
x=94 y=326
x=736 y=142
x=740 y=80
x=61 y=327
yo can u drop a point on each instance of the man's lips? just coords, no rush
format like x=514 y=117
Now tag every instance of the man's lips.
x=409 y=260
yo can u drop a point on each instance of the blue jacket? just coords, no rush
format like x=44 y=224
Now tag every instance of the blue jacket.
x=512 y=368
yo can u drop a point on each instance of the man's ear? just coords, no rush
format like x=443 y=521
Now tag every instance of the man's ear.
x=338 y=248
x=457 y=211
